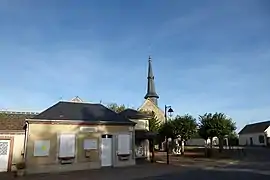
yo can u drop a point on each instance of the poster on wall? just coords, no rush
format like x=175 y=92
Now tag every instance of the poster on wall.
x=41 y=148
x=123 y=144
x=67 y=145
x=89 y=144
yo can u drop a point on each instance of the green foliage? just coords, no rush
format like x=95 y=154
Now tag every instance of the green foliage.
x=154 y=123
x=225 y=125
x=233 y=139
x=206 y=126
x=196 y=134
x=217 y=124
x=117 y=108
x=167 y=130
x=20 y=165
x=185 y=126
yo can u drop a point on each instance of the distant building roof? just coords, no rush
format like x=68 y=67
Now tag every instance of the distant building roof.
x=133 y=114
x=76 y=99
x=94 y=113
x=12 y=120
x=255 y=128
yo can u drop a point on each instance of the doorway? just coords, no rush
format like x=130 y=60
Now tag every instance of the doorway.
x=106 y=150
x=4 y=155
x=251 y=141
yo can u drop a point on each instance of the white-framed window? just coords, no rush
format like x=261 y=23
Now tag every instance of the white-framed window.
x=67 y=145
x=124 y=144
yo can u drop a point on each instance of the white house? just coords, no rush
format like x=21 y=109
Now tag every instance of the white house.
x=257 y=134
x=201 y=142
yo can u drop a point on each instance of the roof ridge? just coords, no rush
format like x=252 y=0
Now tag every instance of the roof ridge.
x=80 y=102
x=19 y=112
x=266 y=121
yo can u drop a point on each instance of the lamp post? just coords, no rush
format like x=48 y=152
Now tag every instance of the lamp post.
x=170 y=111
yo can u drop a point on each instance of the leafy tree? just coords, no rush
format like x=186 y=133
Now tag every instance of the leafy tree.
x=224 y=126
x=154 y=123
x=206 y=127
x=167 y=130
x=205 y=130
x=154 y=126
x=195 y=135
x=117 y=108
x=215 y=125
x=233 y=139
x=185 y=126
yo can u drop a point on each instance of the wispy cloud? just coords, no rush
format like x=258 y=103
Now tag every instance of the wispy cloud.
x=210 y=56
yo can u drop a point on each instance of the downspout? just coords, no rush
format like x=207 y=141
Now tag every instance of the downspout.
x=26 y=132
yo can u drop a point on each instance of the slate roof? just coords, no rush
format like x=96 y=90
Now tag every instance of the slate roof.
x=94 y=113
x=255 y=128
x=133 y=114
x=14 y=120
x=144 y=134
x=151 y=90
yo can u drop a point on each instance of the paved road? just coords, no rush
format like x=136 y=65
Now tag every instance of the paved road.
x=210 y=174
x=255 y=165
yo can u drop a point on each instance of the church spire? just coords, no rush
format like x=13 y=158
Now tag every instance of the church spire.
x=151 y=91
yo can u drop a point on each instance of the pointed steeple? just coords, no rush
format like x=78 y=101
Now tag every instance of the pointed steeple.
x=151 y=90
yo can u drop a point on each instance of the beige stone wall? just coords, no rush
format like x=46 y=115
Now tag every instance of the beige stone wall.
x=51 y=131
x=150 y=106
x=141 y=124
x=18 y=146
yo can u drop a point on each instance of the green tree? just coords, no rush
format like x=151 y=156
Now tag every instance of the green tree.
x=167 y=130
x=154 y=126
x=117 y=108
x=233 y=139
x=206 y=127
x=215 y=125
x=206 y=130
x=224 y=126
x=185 y=126
x=154 y=123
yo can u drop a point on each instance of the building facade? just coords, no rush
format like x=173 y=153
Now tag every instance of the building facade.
x=12 y=135
x=257 y=134
x=76 y=136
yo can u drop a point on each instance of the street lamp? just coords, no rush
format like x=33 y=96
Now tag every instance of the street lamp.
x=170 y=111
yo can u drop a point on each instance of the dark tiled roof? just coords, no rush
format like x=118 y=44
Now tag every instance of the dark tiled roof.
x=144 y=134
x=133 y=114
x=255 y=128
x=13 y=120
x=94 y=113
x=151 y=90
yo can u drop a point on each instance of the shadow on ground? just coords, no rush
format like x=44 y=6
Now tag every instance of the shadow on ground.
x=235 y=153
x=214 y=174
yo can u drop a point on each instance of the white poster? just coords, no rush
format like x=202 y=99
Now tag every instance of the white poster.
x=41 y=148
x=67 y=145
x=90 y=144
x=123 y=144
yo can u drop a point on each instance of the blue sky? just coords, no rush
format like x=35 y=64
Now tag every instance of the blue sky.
x=208 y=55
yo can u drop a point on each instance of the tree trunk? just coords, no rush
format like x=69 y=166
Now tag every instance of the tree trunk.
x=182 y=147
x=220 y=144
x=206 y=148
x=211 y=147
x=152 y=149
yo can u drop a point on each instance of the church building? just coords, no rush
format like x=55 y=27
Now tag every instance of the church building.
x=151 y=97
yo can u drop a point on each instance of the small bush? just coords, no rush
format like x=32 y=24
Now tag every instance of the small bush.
x=20 y=165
